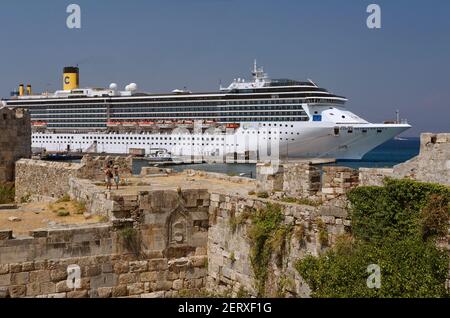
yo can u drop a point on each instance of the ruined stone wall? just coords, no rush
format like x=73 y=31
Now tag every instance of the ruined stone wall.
x=337 y=181
x=229 y=247
x=97 y=200
x=374 y=176
x=154 y=246
x=93 y=167
x=15 y=140
x=219 y=176
x=301 y=180
x=36 y=178
x=269 y=177
x=103 y=276
x=433 y=162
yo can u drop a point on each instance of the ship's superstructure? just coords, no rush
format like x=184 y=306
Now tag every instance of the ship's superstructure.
x=300 y=118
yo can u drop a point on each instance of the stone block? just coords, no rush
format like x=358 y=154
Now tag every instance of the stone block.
x=19 y=291
x=128 y=278
x=33 y=289
x=48 y=288
x=159 y=294
x=15 y=268
x=4 y=292
x=28 y=266
x=138 y=266
x=78 y=294
x=177 y=284
x=57 y=295
x=104 y=292
x=158 y=264
x=121 y=267
x=135 y=289
x=4 y=269
x=149 y=276
x=119 y=291
x=5 y=280
x=20 y=278
x=57 y=275
x=40 y=276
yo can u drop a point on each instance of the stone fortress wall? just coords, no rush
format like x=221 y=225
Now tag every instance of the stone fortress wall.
x=431 y=165
x=15 y=140
x=36 y=178
x=165 y=243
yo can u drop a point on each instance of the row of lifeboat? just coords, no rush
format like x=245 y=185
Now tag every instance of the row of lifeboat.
x=39 y=124
x=152 y=124
x=165 y=124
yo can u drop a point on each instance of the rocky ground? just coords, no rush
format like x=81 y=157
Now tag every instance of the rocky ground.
x=27 y=217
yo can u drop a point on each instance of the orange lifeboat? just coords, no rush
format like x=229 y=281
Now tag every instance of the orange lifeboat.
x=233 y=126
x=39 y=124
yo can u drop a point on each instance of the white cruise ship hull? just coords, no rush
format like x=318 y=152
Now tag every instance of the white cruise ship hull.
x=285 y=140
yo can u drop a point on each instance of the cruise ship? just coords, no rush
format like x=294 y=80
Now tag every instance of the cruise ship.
x=262 y=117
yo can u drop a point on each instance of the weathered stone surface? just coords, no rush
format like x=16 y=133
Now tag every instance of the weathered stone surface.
x=5 y=280
x=62 y=287
x=15 y=138
x=135 y=289
x=19 y=291
x=20 y=278
x=4 y=292
x=40 y=276
x=78 y=294
x=119 y=291
x=4 y=269
x=128 y=278
x=149 y=276
x=138 y=266
x=104 y=292
x=159 y=294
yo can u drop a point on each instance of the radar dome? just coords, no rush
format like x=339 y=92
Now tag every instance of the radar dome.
x=133 y=86
x=113 y=86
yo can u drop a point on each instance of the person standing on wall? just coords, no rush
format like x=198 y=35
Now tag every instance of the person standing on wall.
x=108 y=177
x=116 y=176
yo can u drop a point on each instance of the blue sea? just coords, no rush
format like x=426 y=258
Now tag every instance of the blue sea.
x=387 y=155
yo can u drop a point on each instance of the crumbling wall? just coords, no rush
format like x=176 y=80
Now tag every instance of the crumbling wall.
x=433 y=162
x=229 y=247
x=154 y=246
x=374 y=176
x=15 y=140
x=337 y=181
x=93 y=167
x=301 y=179
x=36 y=178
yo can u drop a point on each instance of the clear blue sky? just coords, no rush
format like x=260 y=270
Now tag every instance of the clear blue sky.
x=168 y=44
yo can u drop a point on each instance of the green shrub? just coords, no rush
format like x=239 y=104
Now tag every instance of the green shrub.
x=63 y=213
x=7 y=193
x=64 y=198
x=395 y=227
x=131 y=240
x=265 y=223
x=262 y=195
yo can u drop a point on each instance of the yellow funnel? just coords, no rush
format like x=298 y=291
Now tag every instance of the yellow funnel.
x=71 y=78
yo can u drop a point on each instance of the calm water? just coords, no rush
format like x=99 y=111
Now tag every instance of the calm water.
x=387 y=155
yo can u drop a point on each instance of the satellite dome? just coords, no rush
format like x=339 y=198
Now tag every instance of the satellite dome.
x=113 y=86
x=133 y=86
